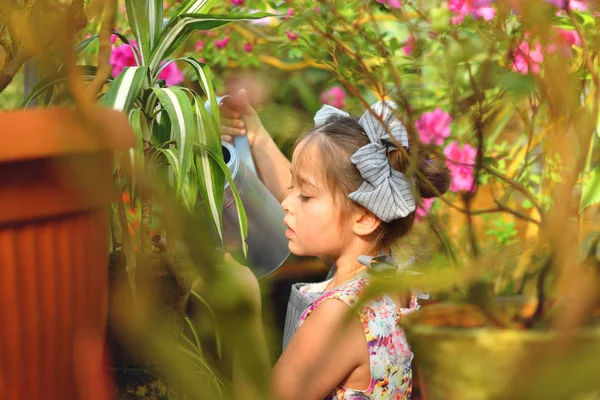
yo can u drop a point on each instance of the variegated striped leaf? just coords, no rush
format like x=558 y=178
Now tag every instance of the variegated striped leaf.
x=88 y=73
x=179 y=28
x=145 y=19
x=126 y=88
x=173 y=161
x=204 y=76
x=243 y=221
x=211 y=181
x=194 y=7
x=138 y=121
x=178 y=106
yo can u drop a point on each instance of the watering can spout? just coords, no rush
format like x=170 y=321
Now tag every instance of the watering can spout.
x=267 y=244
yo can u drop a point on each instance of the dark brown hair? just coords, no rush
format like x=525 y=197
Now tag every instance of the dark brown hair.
x=339 y=138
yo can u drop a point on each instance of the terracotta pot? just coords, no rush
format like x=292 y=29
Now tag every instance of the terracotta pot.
x=56 y=169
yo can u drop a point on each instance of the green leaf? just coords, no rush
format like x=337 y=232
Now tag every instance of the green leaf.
x=88 y=73
x=84 y=45
x=243 y=221
x=211 y=180
x=590 y=193
x=204 y=77
x=126 y=88
x=173 y=160
x=139 y=124
x=179 y=28
x=145 y=19
x=194 y=7
x=517 y=83
x=179 y=108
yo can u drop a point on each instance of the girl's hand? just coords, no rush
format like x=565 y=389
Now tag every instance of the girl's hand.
x=234 y=112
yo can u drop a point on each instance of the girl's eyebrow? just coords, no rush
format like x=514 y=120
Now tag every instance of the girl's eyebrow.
x=306 y=181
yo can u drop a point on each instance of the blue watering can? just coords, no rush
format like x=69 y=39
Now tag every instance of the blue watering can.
x=267 y=244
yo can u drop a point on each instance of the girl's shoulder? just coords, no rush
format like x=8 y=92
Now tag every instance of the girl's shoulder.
x=350 y=293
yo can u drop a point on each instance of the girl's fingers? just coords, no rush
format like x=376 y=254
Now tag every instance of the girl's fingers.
x=229 y=112
x=227 y=130
x=227 y=138
x=234 y=123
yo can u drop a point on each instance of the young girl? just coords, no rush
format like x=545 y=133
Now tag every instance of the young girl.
x=348 y=202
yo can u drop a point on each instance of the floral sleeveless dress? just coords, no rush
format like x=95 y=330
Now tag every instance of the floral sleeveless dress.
x=389 y=354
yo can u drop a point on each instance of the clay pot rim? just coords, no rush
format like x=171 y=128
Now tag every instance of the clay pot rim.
x=449 y=332
x=46 y=133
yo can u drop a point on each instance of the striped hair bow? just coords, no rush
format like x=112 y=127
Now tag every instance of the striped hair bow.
x=386 y=192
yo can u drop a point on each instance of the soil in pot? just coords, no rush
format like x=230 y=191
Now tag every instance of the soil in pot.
x=162 y=289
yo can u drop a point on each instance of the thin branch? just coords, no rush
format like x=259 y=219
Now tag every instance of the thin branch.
x=8 y=73
x=104 y=68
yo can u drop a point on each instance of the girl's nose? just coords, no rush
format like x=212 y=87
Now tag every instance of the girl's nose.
x=285 y=204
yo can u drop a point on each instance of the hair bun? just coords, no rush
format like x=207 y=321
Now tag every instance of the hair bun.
x=433 y=172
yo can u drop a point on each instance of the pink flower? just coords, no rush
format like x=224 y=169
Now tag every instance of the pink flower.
x=563 y=41
x=434 y=126
x=577 y=5
x=292 y=35
x=391 y=3
x=460 y=161
x=220 y=44
x=527 y=59
x=334 y=97
x=121 y=57
x=317 y=10
x=410 y=42
x=248 y=48
x=199 y=45
x=424 y=208
x=477 y=9
x=171 y=74
x=237 y=2
x=289 y=14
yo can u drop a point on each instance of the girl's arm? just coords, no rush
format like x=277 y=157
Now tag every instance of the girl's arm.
x=272 y=165
x=322 y=353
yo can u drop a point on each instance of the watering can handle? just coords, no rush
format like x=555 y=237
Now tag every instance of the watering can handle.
x=241 y=143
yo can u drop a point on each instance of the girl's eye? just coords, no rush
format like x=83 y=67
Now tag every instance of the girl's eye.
x=291 y=187
x=303 y=198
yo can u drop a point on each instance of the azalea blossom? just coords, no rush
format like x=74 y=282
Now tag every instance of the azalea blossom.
x=563 y=41
x=391 y=3
x=122 y=56
x=434 y=126
x=199 y=45
x=292 y=35
x=237 y=2
x=334 y=97
x=460 y=161
x=424 y=208
x=528 y=59
x=410 y=42
x=171 y=74
x=289 y=14
x=577 y=5
x=221 y=43
x=476 y=8
x=248 y=47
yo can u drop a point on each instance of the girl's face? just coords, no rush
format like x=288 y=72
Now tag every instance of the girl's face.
x=314 y=226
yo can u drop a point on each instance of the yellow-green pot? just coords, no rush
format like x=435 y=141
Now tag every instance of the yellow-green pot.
x=487 y=363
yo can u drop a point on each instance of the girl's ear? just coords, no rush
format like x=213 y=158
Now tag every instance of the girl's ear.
x=364 y=222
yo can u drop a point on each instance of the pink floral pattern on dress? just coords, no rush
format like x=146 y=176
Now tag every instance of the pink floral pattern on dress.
x=389 y=353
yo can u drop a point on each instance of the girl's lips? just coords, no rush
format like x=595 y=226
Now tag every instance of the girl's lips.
x=290 y=233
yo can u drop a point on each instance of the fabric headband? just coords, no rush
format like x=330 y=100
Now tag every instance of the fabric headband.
x=386 y=192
